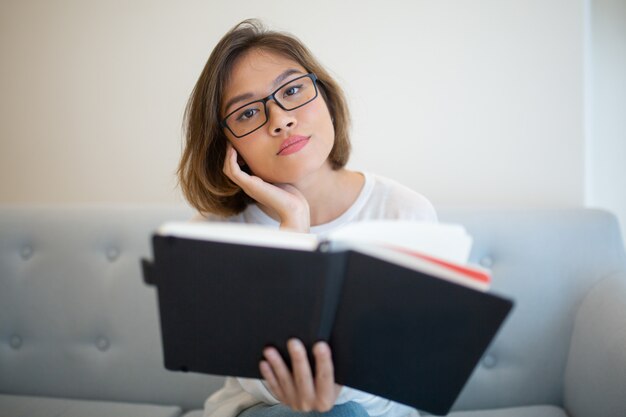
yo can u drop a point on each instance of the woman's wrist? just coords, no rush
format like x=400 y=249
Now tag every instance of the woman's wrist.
x=295 y=225
x=297 y=220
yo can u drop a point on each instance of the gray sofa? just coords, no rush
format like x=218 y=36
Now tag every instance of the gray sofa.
x=79 y=331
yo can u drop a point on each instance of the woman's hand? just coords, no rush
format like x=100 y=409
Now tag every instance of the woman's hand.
x=298 y=389
x=286 y=200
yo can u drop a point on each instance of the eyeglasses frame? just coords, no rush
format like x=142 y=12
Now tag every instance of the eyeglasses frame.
x=272 y=96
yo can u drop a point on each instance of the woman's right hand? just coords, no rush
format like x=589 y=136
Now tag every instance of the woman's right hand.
x=286 y=200
x=299 y=388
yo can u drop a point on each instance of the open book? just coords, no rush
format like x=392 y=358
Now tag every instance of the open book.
x=404 y=315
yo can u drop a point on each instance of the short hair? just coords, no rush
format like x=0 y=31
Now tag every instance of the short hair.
x=200 y=170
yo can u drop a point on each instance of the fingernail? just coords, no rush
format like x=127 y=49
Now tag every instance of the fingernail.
x=272 y=353
x=321 y=347
x=295 y=343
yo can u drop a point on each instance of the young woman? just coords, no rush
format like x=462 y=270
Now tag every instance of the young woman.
x=267 y=140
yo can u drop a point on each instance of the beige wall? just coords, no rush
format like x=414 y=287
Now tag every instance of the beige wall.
x=470 y=103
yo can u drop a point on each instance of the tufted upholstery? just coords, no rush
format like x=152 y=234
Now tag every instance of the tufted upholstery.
x=77 y=322
x=76 y=319
x=548 y=261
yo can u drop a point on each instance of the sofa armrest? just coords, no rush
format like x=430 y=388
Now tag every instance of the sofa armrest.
x=595 y=377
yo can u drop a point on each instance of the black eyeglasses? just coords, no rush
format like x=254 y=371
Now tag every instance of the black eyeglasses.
x=289 y=96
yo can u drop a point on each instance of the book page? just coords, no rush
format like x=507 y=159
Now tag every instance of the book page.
x=449 y=242
x=243 y=234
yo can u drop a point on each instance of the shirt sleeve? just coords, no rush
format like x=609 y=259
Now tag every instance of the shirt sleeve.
x=404 y=204
x=229 y=401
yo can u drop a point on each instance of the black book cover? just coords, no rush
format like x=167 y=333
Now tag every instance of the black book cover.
x=409 y=337
x=220 y=304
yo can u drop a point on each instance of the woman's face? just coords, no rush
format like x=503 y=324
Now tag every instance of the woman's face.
x=292 y=144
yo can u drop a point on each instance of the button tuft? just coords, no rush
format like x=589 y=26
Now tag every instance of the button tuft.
x=113 y=253
x=489 y=361
x=102 y=344
x=26 y=252
x=15 y=342
x=486 y=261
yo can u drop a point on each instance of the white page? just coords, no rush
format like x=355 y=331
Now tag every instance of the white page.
x=449 y=242
x=245 y=234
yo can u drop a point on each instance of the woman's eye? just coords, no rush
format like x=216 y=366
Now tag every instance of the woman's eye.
x=292 y=90
x=247 y=114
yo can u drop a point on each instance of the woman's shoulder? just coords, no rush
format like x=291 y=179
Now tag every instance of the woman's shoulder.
x=208 y=217
x=252 y=214
x=392 y=200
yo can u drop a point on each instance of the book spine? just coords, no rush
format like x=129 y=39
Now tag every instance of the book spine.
x=332 y=282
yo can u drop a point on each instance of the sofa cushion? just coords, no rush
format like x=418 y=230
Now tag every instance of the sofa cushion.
x=529 y=411
x=27 y=406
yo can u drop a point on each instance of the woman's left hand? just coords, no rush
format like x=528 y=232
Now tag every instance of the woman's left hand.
x=299 y=389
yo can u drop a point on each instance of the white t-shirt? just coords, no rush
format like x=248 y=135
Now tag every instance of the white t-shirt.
x=380 y=198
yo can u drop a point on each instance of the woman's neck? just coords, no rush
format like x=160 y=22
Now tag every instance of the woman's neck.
x=332 y=194
x=328 y=192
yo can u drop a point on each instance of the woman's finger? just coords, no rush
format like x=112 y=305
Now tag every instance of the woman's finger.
x=231 y=168
x=226 y=168
x=302 y=375
x=254 y=186
x=272 y=382
x=283 y=376
x=324 y=377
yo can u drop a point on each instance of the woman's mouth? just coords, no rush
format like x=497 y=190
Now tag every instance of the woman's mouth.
x=292 y=145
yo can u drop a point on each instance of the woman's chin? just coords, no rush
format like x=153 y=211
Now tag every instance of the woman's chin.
x=291 y=175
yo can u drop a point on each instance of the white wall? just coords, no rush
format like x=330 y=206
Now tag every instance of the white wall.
x=606 y=154
x=473 y=103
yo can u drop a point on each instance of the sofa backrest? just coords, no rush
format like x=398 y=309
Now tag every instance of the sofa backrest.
x=546 y=260
x=76 y=319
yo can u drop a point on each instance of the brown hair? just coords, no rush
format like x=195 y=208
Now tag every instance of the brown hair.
x=200 y=173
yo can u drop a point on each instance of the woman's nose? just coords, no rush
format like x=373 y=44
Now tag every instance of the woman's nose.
x=279 y=119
